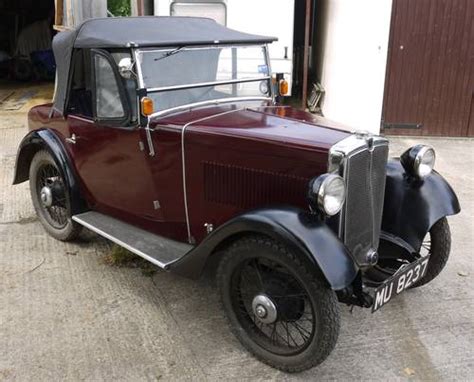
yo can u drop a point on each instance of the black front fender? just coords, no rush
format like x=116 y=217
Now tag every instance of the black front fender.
x=46 y=139
x=411 y=206
x=301 y=231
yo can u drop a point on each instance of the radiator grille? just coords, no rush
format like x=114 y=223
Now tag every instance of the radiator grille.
x=364 y=174
x=247 y=188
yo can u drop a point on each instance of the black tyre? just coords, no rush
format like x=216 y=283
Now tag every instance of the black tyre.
x=23 y=69
x=282 y=312
x=436 y=244
x=51 y=197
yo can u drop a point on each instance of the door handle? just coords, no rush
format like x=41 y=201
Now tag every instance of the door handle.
x=72 y=140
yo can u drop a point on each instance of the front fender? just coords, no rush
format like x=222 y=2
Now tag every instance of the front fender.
x=411 y=206
x=46 y=139
x=301 y=231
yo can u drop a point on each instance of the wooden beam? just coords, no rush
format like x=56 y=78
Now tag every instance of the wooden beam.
x=61 y=28
x=307 y=24
x=59 y=14
x=69 y=14
x=140 y=8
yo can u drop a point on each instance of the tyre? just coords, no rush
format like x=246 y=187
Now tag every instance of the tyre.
x=50 y=197
x=22 y=69
x=436 y=244
x=282 y=312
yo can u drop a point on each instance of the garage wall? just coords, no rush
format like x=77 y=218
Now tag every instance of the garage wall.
x=353 y=56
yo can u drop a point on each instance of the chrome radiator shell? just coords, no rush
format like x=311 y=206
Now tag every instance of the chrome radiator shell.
x=361 y=160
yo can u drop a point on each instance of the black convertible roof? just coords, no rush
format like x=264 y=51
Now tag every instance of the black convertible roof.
x=149 y=31
x=116 y=32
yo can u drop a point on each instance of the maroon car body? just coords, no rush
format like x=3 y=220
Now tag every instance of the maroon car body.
x=220 y=168
x=275 y=151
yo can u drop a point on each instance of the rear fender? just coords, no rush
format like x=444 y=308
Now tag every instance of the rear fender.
x=412 y=206
x=46 y=139
x=301 y=231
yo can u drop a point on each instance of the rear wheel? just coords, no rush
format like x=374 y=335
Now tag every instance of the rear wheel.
x=281 y=312
x=51 y=198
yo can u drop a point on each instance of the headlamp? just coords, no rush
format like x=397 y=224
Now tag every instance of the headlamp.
x=327 y=193
x=418 y=161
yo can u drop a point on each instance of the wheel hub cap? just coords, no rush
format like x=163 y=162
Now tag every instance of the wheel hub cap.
x=264 y=309
x=46 y=196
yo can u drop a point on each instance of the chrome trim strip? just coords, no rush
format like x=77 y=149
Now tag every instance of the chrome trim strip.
x=356 y=141
x=151 y=148
x=371 y=196
x=82 y=119
x=273 y=106
x=202 y=47
x=220 y=101
x=205 y=84
x=183 y=160
x=136 y=56
x=267 y=59
x=122 y=244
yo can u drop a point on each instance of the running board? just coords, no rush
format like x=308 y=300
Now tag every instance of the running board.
x=156 y=249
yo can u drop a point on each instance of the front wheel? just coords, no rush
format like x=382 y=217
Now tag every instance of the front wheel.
x=436 y=245
x=51 y=197
x=281 y=311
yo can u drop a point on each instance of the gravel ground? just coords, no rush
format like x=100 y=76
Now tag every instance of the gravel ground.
x=65 y=314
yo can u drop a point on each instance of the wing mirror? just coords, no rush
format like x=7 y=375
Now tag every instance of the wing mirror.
x=126 y=68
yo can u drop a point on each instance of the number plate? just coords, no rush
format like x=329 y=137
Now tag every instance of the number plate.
x=402 y=280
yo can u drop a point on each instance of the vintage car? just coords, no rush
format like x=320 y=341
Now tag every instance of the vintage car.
x=166 y=136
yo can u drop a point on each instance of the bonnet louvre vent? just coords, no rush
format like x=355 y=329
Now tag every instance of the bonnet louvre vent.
x=246 y=187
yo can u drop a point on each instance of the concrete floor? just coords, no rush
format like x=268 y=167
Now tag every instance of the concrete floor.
x=67 y=315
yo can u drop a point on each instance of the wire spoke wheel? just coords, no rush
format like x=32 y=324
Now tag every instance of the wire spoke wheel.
x=389 y=266
x=279 y=307
x=425 y=249
x=51 y=194
x=436 y=244
x=273 y=306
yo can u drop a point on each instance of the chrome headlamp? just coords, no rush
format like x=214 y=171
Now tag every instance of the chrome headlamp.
x=327 y=194
x=418 y=161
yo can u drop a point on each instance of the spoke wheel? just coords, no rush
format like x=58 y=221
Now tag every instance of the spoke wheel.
x=436 y=244
x=50 y=197
x=278 y=305
x=272 y=306
x=51 y=194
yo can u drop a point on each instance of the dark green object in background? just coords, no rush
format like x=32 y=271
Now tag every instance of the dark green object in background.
x=119 y=7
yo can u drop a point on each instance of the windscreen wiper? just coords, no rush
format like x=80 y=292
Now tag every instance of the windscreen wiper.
x=170 y=53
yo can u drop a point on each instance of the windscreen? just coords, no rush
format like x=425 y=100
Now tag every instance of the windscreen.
x=204 y=70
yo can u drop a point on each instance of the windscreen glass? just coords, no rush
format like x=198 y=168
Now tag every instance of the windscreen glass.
x=204 y=68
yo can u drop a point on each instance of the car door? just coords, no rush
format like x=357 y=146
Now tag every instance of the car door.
x=106 y=145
